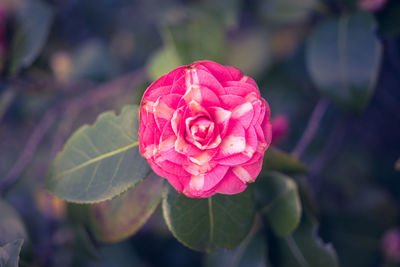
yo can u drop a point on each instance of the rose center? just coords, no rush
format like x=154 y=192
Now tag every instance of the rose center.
x=200 y=128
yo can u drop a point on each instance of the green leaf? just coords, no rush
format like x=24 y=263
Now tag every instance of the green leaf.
x=343 y=59
x=206 y=224
x=277 y=160
x=9 y=253
x=278 y=197
x=305 y=249
x=11 y=226
x=121 y=217
x=101 y=161
x=162 y=62
x=287 y=11
x=196 y=39
x=33 y=25
x=252 y=252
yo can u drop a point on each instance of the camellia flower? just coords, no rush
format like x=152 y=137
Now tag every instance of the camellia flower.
x=204 y=127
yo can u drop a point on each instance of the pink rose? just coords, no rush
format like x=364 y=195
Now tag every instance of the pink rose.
x=204 y=127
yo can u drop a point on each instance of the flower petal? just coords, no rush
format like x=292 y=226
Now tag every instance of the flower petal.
x=201 y=77
x=220 y=72
x=246 y=155
x=241 y=109
x=248 y=173
x=164 y=108
x=205 y=182
x=234 y=142
x=230 y=184
x=236 y=73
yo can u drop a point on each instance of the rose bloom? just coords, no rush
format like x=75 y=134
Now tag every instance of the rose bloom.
x=204 y=127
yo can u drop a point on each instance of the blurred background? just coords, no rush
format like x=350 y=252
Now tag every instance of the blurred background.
x=331 y=67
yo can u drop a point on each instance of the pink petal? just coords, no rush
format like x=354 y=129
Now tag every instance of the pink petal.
x=196 y=170
x=221 y=117
x=164 y=108
x=195 y=109
x=248 y=80
x=177 y=119
x=203 y=157
x=236 y=73
x=167 y=138
x=171 y=168
x=174 y=75
x=241 y=109
x=201 y=95
x=185 y=148
x=147 y=134
x=229 y=102
x=248 y=173
x=240 y=88
x=246 y=155
x=213 y=177
x=173 y=179
x=154 y=94
x=230 y=184
x=221 y=73
x=201 y=77
x=199 y=184
x=173 y=156
x=234 y=142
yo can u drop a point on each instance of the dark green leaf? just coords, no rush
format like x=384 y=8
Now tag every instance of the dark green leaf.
x=197 y=39
x=162 y=62
x=305 y=249
x=101 y=161
x=121 y=217
x=277 y=160
x=11 y=226
x=252 y=252
x=279 y=200
x=9 y=253
x=287 y=11
x=33 y=25
x=343 y=59
x=207 y=224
